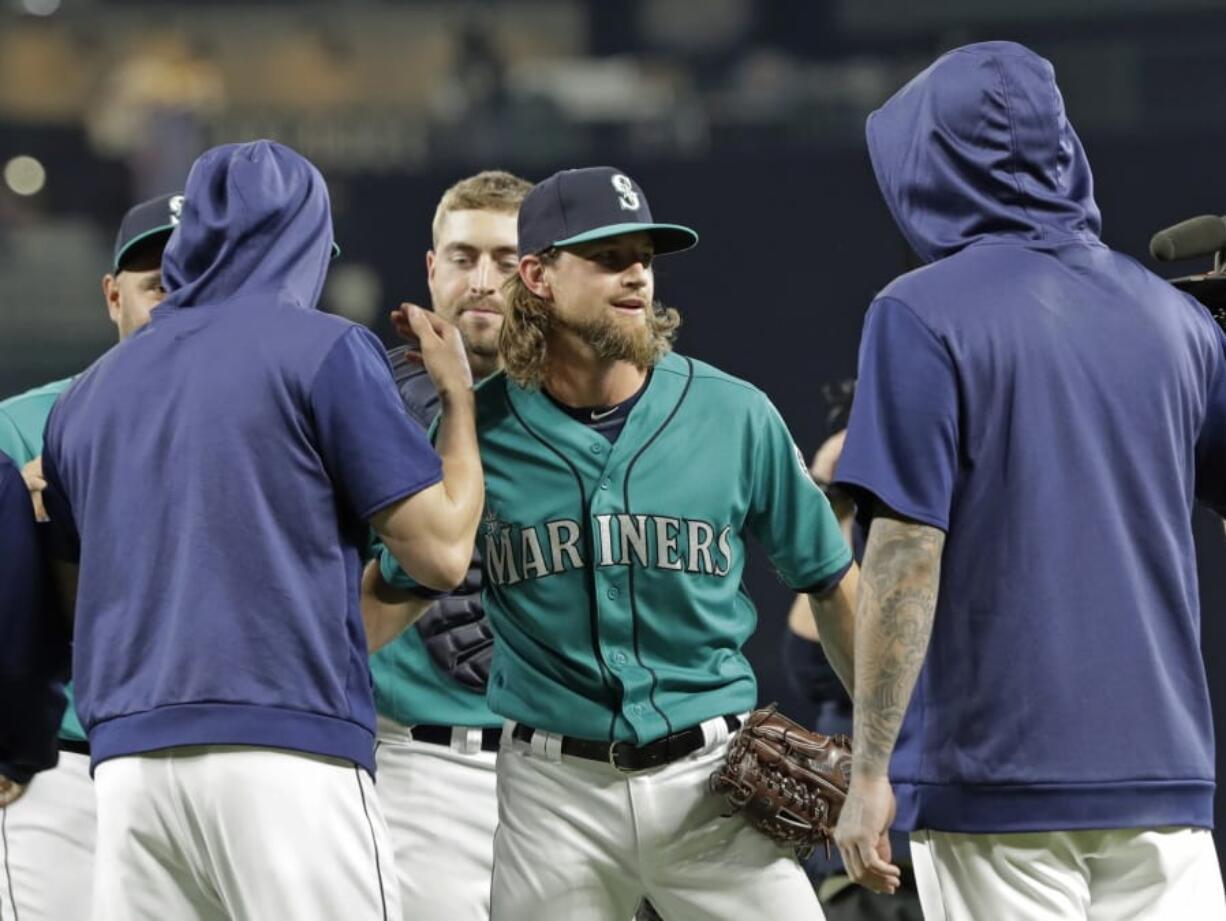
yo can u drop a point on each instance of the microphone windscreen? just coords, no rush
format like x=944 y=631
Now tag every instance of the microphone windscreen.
x=1197 y=236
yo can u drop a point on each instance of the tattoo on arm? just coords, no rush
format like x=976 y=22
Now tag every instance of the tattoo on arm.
x=894 y=613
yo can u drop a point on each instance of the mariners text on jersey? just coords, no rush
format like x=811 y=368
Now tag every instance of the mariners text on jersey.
x=518 y=552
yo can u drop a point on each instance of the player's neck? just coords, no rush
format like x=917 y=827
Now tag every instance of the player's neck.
x=482 y=365
x=592 y=382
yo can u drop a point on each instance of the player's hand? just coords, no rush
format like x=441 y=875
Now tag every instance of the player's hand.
x=32 y=473
x=862 y=834
x=404 y=328
x=10 y=791
x=439 y=346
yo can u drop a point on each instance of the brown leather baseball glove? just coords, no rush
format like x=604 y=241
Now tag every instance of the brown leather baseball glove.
x=790 y=782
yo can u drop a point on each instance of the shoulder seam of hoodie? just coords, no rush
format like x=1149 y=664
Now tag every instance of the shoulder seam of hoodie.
x=918 y=319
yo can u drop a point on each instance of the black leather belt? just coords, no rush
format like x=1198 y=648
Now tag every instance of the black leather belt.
x=627 y=757
x=71 y=745
x=491 y=738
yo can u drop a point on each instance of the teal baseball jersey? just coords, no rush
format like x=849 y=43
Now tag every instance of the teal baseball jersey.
x=613 y=571
x=411 y=689
x=22 y=420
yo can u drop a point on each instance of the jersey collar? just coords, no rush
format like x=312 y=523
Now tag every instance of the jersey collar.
x=656 y=405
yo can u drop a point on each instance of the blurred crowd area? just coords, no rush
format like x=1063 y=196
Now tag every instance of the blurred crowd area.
x=105 y=102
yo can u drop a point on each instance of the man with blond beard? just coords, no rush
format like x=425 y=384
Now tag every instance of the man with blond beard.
x=612 y=578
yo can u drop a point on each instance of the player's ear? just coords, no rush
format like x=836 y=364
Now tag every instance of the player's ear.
x=110 y=291
x=532 y=273
x=430 y=261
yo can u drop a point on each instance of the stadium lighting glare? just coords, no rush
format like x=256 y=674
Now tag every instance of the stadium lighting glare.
x=25 y=175
x=40 y=7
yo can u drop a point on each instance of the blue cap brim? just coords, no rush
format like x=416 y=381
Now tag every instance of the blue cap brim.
x=140 y=238
x=668 y=238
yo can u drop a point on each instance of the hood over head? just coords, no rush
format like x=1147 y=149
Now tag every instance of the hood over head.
x=255 y=218
x=977 y=146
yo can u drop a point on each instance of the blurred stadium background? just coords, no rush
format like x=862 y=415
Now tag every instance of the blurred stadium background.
x=743 y=118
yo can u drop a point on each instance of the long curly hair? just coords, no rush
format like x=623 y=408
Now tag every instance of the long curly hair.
x=523 y=343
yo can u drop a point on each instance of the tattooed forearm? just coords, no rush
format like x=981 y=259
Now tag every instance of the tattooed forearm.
x=894 y=611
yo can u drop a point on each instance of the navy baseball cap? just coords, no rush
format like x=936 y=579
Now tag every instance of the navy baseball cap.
x=155 y=219
x=578 y=205
x=150 y=220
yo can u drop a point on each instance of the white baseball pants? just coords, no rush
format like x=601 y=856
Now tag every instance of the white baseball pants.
x=222 y=833
x=441 y=806
x=583 y=841
x=1114 y=875
x=47 y=845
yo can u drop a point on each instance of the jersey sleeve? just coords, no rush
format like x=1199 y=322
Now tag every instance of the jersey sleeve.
x=902 y=439
x=394 y=575
x=790 y=516
x=1211 y=442
x=389 y=567
x=374 y=452
x=11 y=442
x=33 y=655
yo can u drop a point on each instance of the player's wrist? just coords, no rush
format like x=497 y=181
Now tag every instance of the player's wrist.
x=868 y=776
x=456 y=397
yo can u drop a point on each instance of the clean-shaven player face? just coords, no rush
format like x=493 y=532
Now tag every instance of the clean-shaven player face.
x=602 y=292
x=133 y=291
x=474 y=254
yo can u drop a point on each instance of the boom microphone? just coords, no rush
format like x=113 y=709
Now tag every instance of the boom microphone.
x=1197 y=236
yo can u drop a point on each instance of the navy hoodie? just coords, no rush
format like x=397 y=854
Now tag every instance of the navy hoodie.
x=215 y=471
x=33 y=650
x=1053 y=407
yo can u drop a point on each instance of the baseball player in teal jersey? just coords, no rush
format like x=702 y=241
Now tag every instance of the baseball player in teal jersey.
x=622 y=481
x=437 y=737
x=48 y=841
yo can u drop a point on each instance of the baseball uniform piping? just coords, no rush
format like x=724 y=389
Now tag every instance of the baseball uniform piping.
x=590 y=573
x=357 y=775
x=8 y=873
x=634 y=608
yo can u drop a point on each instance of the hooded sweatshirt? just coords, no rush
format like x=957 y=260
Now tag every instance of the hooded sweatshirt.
x=214 y=472
x=1053 y=407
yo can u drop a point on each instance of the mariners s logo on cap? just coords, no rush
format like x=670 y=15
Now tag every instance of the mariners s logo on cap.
x=627 y=197
x=574 y=206
x=151 y=221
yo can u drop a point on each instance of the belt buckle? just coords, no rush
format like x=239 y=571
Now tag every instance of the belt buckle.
x=613 y=759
